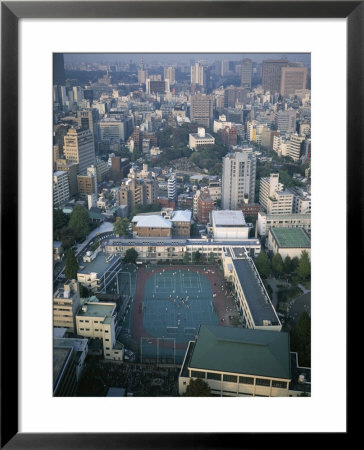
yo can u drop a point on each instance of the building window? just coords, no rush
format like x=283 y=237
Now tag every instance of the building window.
x=279 y=384
x=230 y=378
x=246 y=380
x=262 y=382
x=107 y=348
x=87 y=329
x=107 y=354
x=82 y=329
x=196 y=374
x=107 y=340
x=213 y=376
x=106 y=331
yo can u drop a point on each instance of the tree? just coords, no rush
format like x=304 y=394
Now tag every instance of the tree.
x=294 y=264
x=287 y=265
x=196 y=256
x=131 y=256
x=304 y=266
x=186 y=258
x=277 y=264
x=262 y=264
x=67 y=237
x=60 y=220
x=121 y=227
x=71 y=266
x=79 y=222
x=197 y=388
x=300 y=338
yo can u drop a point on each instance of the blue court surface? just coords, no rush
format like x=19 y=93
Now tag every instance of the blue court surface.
x=175 y=303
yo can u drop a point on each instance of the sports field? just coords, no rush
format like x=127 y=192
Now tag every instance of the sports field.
x=170 y=304
x=176 y=302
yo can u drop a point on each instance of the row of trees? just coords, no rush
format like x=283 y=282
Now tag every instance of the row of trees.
x=301 y=266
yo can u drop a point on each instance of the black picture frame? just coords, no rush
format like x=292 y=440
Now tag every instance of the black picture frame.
x=11 y=12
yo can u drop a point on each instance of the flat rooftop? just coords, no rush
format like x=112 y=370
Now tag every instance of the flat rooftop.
x=99 y=265
x=291 y=237
x=60 y=356
x=140 y=242
x=97 y=309
x=241 y=350
x=228 y=218
x=260 y=307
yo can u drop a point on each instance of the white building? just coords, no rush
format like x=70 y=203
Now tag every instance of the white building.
x=268 y=186
x=295 y=146
x=229 y=225
x=238 y=179
x=266 y=221
x=200 y=139
x=172 y=187
x=61 y=190
x=97 y=320
x=289 y=242
x=281 y=202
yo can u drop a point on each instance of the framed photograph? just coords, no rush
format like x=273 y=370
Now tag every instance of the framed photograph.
x=148 y=44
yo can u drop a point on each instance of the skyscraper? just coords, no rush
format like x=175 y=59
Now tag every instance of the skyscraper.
x=246 y=73
x=59 y=76
x=293 y=79
x=202 y=109
x=238 y=178
x=271 y=74
x=198 y=74
x=170 y=74
x=79 y=147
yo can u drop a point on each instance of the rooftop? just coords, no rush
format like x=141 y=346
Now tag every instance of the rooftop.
x=97 y=310
x=152 y=221
x=141 y=242
x=241 y=350
x=60 y=357
x=182 y=216
x=260 y=306
x=291 y=237
x=207 y=136
x=99 y=265
x=228 y=218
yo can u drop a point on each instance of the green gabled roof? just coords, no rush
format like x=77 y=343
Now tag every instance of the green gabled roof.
x=241 y=350
x=291 y=237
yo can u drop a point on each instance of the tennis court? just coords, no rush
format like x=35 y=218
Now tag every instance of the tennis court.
x=176 y=302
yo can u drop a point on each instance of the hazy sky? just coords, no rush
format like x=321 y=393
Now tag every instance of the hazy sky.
x=178 y=57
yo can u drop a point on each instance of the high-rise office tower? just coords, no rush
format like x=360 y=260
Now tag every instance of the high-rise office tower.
x=271 y=74
x=198 y=74
x=293 y=79
x=202 y=109
x=87 y=119
x=170 y=74
x=238 y=179
x=59 y=76
x=172 y=187
x=79 y=147
x=142 y=74
x=246 y=73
